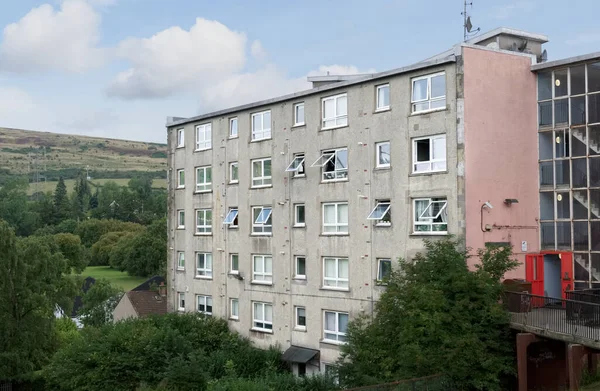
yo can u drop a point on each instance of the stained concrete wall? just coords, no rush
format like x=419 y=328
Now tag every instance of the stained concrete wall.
x=500 y=150
x=364 y=243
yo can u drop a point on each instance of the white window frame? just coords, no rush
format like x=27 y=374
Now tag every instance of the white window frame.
x=296 y=108
x=339 y=174
x=204 y=300
x=231 y=269
x=431 y=162
x=429 y=221
x=203 y=187
x=262 y=180
x=232 y=218
x=429 y=99
x=237 y=166
x=296 y=214
x=181 y=219
x=262 y=324
x=205 y=142
x=379 y=262
x=232 y=121
x=204 y=229
x=340 y=337
x=378 y=163
x=206 y=271
x=379 y=218
x=339 y=227
x=181 y=185
x=297 y=166
x=180 y=138
x=234 y=310
x=378 y=106
x=297 y=274
x=260 y=225
x=264 y=133
x=339 y=120
x=180 y=260
x=180 y=301
x=263 y=276
x=297 y=324
x=336 y=282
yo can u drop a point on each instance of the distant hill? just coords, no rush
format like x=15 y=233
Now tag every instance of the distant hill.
x=43 y=157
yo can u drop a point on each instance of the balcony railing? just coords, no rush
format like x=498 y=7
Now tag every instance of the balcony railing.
x=560 y=318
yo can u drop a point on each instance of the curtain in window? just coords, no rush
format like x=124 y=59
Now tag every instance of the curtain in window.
x=439 y=148
x=330 y=321
x=342 y=216
x=420 y=206
x=341 y=106
x=343 y=269
x=329 y=268
x=258 y=311
x=268 y=313
x=268 y=264
x=258 y=265
x=329 y=214
x=256 y=123
x=419 y=90
x=329 y=108
x=343 y=323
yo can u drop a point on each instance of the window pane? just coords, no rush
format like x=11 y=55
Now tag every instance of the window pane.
x=563 y=235
x=546 y=144
x=329 y=109
x=579 y=174
x=547 y=205
x=257 y=169
x=562 y=173
x=267 y=167
x=594 y=108
x=544 y=85
x=578 y=142
x=580 y=235
x=577 y=80
x=580 y=204
x=594 y=203
x=341 y=105
x=560 y=83
x=342 y=214
x=341 y=159
x=266 y=123
x=330 y=321
x=594 y=140
x=383 y=96
x=582 y=267
x=343 y=323
x=593 y=73
x=439 y=148
x=547 y=235
x=595 y=233
x=256 y=123
x=438 y=86
x=234 y=172
x=563 y=206
x=419 y=90
x=545 y=113
x=301 y=266
x=561 y=111
x=329 y=214
x=595 y=172
x=300 y=214
x=258 y=311
x=561 y=143
x=423 y=150
x=330 y=266
x=343 y=268
x=384 y=154
x=578 y=110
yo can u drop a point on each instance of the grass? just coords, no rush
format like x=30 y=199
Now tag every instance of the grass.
x=117 y=278
x=50 y=186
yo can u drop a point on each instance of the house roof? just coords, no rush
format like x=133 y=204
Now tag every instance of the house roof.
x=361 y=79
x=147 y=302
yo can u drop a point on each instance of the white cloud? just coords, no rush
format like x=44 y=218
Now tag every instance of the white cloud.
x=52 y=39
x=175 y=60
x=508 y=10
x=257 y=50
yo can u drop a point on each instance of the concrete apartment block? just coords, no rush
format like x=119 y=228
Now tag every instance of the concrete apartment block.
x=461 y=131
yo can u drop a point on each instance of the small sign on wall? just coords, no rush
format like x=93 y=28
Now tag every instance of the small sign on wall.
x=524 y=246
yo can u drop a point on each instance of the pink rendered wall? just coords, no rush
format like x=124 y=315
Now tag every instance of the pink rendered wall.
x=501 y=153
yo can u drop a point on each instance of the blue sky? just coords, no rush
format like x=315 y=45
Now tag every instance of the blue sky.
x=117 y=68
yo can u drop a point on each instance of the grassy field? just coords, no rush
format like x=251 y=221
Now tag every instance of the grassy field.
x=120 y=279
x=70 y=183
x=24 y=152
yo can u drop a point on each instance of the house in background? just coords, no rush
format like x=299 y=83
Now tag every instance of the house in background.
x=146 y=299
x=77 y=303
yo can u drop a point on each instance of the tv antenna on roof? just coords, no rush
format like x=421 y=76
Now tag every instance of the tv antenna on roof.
x=467 y=25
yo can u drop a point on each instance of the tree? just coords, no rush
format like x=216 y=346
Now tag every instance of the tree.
x=34 y=280
x=61 y=202
x=15 y=208
x=436 y=316
x=101 y=250
x=148 y=255
x=70 y=247
x=91 y=230
x=99 y=302
x=81 y=196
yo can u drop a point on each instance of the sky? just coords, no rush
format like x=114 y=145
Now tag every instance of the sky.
x=118 y=68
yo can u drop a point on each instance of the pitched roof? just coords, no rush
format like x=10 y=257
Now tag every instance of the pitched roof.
x=147 y=285
x=147 y=302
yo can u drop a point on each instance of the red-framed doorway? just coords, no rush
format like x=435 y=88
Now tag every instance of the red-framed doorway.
x=534 y=271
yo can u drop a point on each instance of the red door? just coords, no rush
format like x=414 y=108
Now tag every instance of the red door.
x=534 y=273
x=566 y=272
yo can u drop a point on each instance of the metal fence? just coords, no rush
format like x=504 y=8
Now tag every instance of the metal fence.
x=428 y=383
x=5 y=386
x=580 y=319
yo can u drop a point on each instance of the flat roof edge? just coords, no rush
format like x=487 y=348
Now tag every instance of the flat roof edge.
x=397 y=71
x=565 y=61
x=509 y=31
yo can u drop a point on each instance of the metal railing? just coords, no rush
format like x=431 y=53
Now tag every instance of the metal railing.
x=427 y=383
x=577 y=318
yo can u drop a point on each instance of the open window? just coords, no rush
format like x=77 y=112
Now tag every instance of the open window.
x=430 y=215
x=297 y=165
x=232 y=218
x=334 y=164
x=381 y=213
x=434 y=210
x=263 y=216
x=262 y=223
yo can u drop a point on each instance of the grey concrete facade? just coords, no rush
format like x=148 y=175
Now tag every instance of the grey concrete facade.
x=365 y=242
